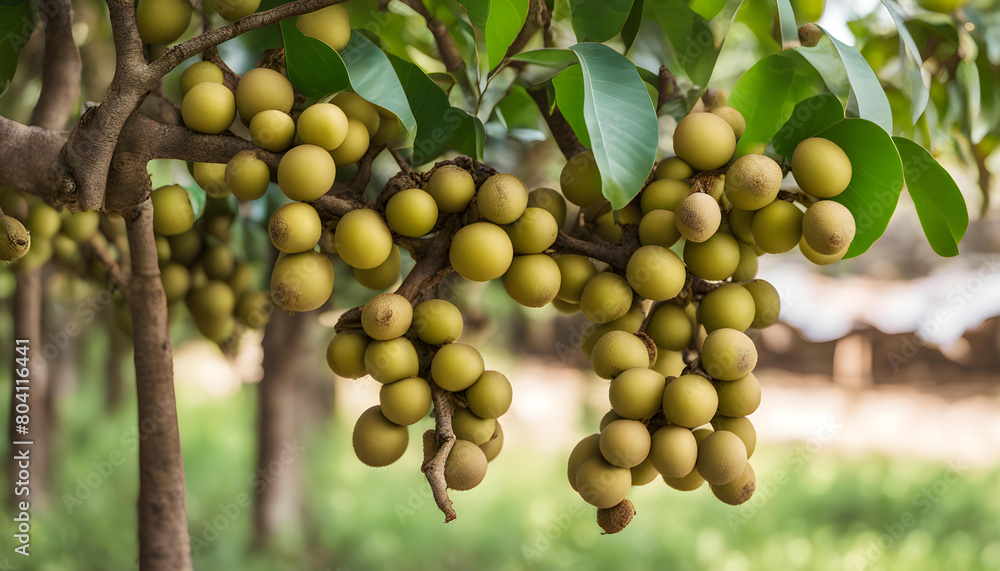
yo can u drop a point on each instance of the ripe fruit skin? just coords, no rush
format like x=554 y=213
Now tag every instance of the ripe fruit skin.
x=362 y=239
x=306 y=172
x=532 y=280
x=382 y=276
x=730 y=305
x=673 y=168
x=689 y=401
x=359 y=109
x=502 y=199
x=14 y=239
x=208 y=108
x=490 y=396
x=688 y=483
x=212 y=301
x=767 y=303
x=551 y=201
x=272 y=130
x=481 y=252
x=606 y=297
x=722 y=457
x=656 y=273
x=753 y=182
x=355 y=144
x=629 y=323
x=377 y=441
x=534 y=232
x=740 y=397
x=602 y=484
x=211 y=177
x=728 y=354
x=625 y=443
x=746 y=270
x=172 y=211
x=637 y=393
x=714 y=259
x=162 y=21
x=670 y=327
x=80 y=226
x=218 y=262
x=388 y=128
x=456 y=366
x=452 y=188
x=588 y=447
x=247 y=176
x=658 y=228
x=465 y=467
x=294 y=227
x=663 y=194
x=828 y=227
x=644 y=473
x=302 y=282
x=493 y=446
x=698 y=217
x=618 y=351
x=260 y=89
x=330 y=25
x=580 y=180
x=386 y=316
x=739 y=490
x=200 y=72
x=704 y=141
x=346 y=354
x=576 y=271
x=740 y=426
x=43 y=221
x=673 y=451
x=254 y=309
x=235 y=9
x=733 y=117
x=405 y=402
x=392 y=360
x=821 y=168
x=741 y=224
x=668 y=363
x=437 y=321
x=411 y=212
x=777 y=227
x=468 y=426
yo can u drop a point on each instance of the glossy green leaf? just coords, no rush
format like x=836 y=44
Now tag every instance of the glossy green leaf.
x=429 y=104
x=826 y=60
x=569 y=88
x=809 y=117
x=373 y=78
x=519 y=109
x=865 y=86
x=786 y=20
x=468 y=135
x=548 y=57
x=876 y=181
x=631 y=28
x=505 y=21
x=910 y=53
x=17 y=22
x=707 y=9
x=599 y=20
x=313 y=67
x=989 y=97
x=939 y=202
x=478 y=11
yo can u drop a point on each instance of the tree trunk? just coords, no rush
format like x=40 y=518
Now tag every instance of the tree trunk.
x=286 y=360
x=163 y=533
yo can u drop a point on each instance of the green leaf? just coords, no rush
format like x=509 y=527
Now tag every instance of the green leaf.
x=17 y=22
x=505 y=21
x=919 y=94
x=548 y=57
x=519 y=109
x=939 y=202
x=373 y=78
x=826 y=60
x=876 y=181
x=197 y=197
x=478 y=11
x=468 y=135
x=631 y=28
x=620 y=119
x=707 y=9
x=767 y=94
x=989 y=97
x=809 y=117
x=568 y=86
x=786 y=19
x=313 y=67
x=429 y=104
x=599 y=20
x=865 y=86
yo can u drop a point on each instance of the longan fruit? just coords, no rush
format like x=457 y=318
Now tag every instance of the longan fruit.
x=637 y=393
x=217 y=329
x=565 y=307
x=820 y=259
x=200 y=72
x=162 y=249
x=294 y=227
x=607 y=419
x=243 y=278
x=406 y=401
x=746 y=270
x=490 y=396
x=608 y=296
x=211 y=177
x=767 y=303
x=162 y=21
x=43 y=221
x=821 y=168
x=728 y=354
x=185 y=248
x=740 y=397
x=733 y=117
x=355 y=145
x=80 y=226
x=738 y=490
x=272 y=130
x=689 y=401
x=670 y=327
x=551 y=201
x=580 y=180
x=828 y=227
x=669 y=363
x=452 y=188
x=722 y=457
x=377 y=441
x=777 y=228
x=261 y=89
x=575 y=271
x=727 y=306
x=481 y=251
x=697 y=217
x=618 y=351
x=302 y=282
x=386 y=316
x=704 y=141
x=534 y=232
x=688 y=483
x=382 y=276
x=306 y=172
x=714 y=259
x=629 y=323
x=218 y=262
x=235 y=9
x=212 y=301
x=673 y=451
x=208 y=108
x=172 y=210
x=324 y=125
x=15 y=240
x=456 y=366
x=741 y=224
x=625 y=443
x=330 y=25
x=247 y=176
x=588 y=447
x=656 y=273
x=658 y=228
x=532 y=280
x=388 y=128
x=254 y=309
x=346 y=354
x=673 y=168
x=740 y=426
x=493 y=446
x=359 y=109
x=606 y=227
x=437 y=321
x=392 y=360
x=468 y=426
x=176 y=281
x=753 y=182
x=362 y=239
x=465 y=467
x=663 y=194
x=502 y=199
x=644 y=473
x=411 y=212
x=602 y=484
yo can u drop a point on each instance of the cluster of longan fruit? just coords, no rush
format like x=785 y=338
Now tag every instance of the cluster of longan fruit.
x=32 y=232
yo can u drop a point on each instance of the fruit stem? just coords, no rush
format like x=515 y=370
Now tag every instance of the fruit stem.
x=433 y=469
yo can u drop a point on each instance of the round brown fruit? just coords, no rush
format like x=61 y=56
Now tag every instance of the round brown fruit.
x=753 y=182
x=698 y=217
x=502 y=199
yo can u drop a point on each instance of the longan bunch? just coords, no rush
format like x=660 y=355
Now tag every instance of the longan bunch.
x=33 y=233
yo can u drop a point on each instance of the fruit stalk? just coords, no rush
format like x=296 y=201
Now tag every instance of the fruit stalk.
x=433 y=469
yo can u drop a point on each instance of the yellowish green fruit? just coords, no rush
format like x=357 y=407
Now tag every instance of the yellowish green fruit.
x=741 y=224
x=306 y=172
x=746 y=270
x=502 y=199
x=606 y=227
x=382 y=276
x=714 y=259
x=452 y=188
x=456 y=366
x=551 y=201
x=618 y=351
x=208 y=108
x=254 y=309
x=532 y=280
x=185 y=248
x=81 y=226
x=607 y=296
x=637 y=393
x=588 y=447
x=468 y=426
x=644 y=473
x=481 y=252
x=272 y=130
x=260 y=89
x=733 y=117
x=728 y=354
x=388 y=128
x=669 y=363
x=704 y=141
x=820 y=259
x=565 y=307
x=580 y=180
x=669 y=327
x=727 y=306
x=753 y=182
x=767 y=303
x=243 y=278
x=411 y=212
x=346 y=354
x=625 y=443
x=722 y=457
x=302 y=282
x=740 y=397
x=821 y=168
x=490 y=396
x=377 y=441
x=688 y=483
x=406 y=401
x=43 y=221
x=218 y=262
x=493 y=446
x=607 y=419
x=697 y=217
x=235 y=9
x=575 y=272
x=658 y=228
x=247 y=176
x=689 y=401
x=212 y=301
x=357 y=108
x=162 y=21
x=362 y=239
x=176 y=281
x=437 y=321
x=673 y=451
x=218 y=329
x=200 y=72
x=392 y=360
x=15 y=241
x=211 y=177
x=777 y=228
x=386 y=316
x=294 y=227
x=828 y=227
x=465 y=467
x=664 y=194
x=656 y=273
x=172 y=210
x=534 y=232
x=331 y=25
x=738 y=490
x=740 y=426
x=602 y=484
x=673 y=168
x=942 y=6
x=355 y=145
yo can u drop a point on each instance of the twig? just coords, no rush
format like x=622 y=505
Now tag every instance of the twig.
x=562 y=132
x=101 y=253
x=667 y=88
x=434 y=468
x=403 y=165
x=450 y=55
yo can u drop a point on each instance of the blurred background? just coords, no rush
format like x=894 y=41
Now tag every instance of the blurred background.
x=879 y=430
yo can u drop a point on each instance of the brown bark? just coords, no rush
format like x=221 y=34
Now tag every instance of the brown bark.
x=163 y=531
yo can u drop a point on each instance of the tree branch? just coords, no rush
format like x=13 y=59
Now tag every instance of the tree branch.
x=445 y=43
x=667 y=89
x=61 y=69
x=433 y=469
x=560 y=128
x=103 y=256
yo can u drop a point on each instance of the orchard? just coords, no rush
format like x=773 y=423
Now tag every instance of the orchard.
x=337 y=176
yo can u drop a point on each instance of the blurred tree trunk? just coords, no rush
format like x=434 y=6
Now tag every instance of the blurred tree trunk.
x=114 y=381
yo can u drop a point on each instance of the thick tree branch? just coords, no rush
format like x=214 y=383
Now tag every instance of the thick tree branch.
x=539 y=18
x=561 y=130
x=445 y=43
x=30 y=159
x=62 y=68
